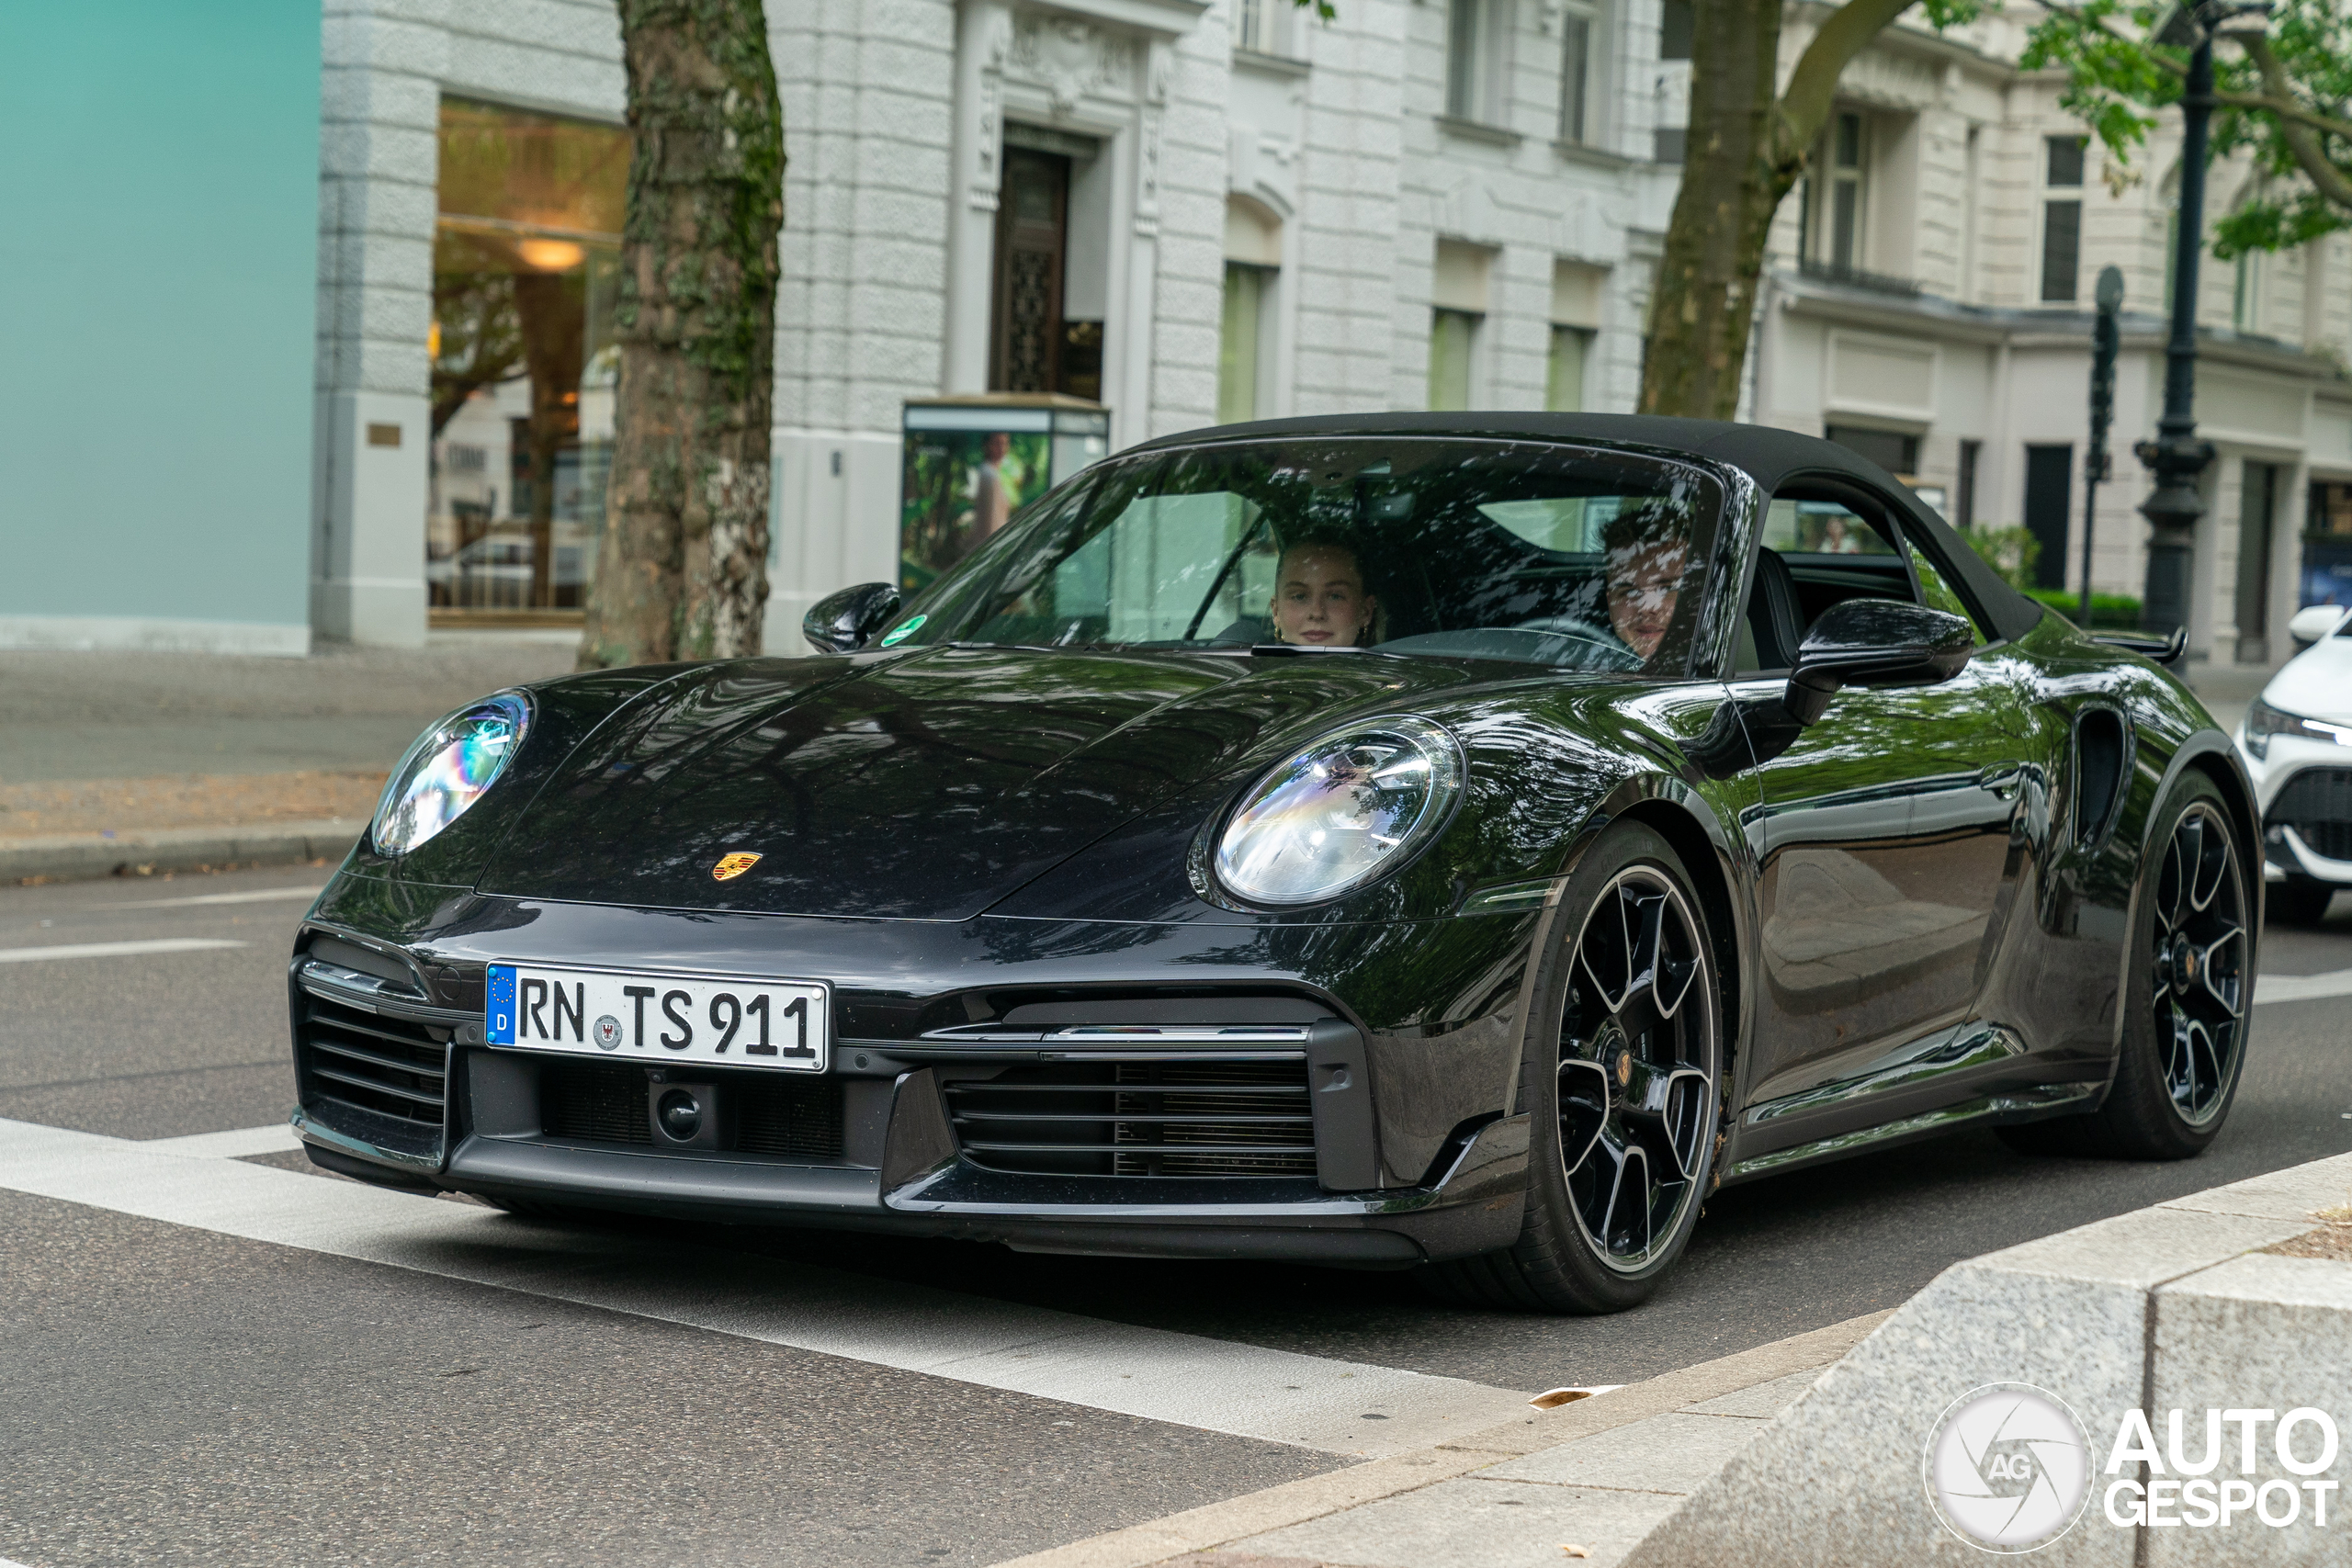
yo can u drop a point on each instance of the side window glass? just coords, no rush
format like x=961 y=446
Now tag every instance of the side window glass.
x=1822 y=528
x=1939 y=594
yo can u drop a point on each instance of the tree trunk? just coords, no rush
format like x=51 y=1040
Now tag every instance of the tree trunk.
x=1746 y=149
x=681 y=570
x=1734 y=175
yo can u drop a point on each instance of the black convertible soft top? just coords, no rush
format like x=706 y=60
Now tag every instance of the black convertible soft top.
x=1767 y=456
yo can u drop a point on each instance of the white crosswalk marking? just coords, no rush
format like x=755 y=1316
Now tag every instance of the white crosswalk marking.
x=114 y=949
x=235 y=1143
x=262 y=895
x=1314 y=1401
x=2302 y=988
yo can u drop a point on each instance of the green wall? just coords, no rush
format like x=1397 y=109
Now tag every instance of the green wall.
x=158 y=278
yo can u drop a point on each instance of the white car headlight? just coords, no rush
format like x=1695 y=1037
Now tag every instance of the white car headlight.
x=1351 y=805
x=448 y=770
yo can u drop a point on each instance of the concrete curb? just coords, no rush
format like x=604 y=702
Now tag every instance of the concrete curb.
x=2175 y=1307
x=75 y=857
x=1297 y=1502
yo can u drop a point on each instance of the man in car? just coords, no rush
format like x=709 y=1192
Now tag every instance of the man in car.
x=1645 y=550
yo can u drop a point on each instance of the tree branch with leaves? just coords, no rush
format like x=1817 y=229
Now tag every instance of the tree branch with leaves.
x=2279 y=98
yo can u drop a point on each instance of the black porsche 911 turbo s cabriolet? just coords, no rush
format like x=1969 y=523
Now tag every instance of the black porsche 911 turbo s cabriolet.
x=1457 y=841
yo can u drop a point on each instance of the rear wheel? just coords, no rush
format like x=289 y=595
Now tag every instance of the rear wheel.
x=2192 y=979
x=2299 y=901
x=1623 y=1102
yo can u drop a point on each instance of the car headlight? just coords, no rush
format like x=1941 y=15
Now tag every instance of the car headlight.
x=1354 y=803
x=448 y=770
x=2263 y=721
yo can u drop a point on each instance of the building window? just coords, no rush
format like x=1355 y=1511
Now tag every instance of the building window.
x=1844 y=238
x=2246 y=293
x=2061 y=221
x=1253 y=257
x=1895 y=452
x=526 y=277
x=1678 y=27
x=1258 y=25
x=1240 y=337
x=1971 y=198
x=1472 y=27
x=1576 y=318
x=1577 y=26
x=1457 y=322
x=1454 y=342
x=1564 y=382
x=1963 y=511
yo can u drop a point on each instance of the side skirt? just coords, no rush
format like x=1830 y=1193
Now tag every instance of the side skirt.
x=2020 y=1105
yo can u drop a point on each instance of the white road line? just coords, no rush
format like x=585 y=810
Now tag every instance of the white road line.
x=1278 y=1395
x=114 y=949
x=235 y=1143
x=260 y=896
x=2301 y=988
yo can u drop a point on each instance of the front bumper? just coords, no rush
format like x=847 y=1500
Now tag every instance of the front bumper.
x=395 y=1081
x=2304 y=788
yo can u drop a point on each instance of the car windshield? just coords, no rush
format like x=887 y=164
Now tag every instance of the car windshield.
x=1529 y=551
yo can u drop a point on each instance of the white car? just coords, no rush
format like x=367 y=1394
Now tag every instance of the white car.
x=2298 y=743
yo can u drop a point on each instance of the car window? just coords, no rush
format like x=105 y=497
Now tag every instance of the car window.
x=1417 y=546
x=1822 y=528
x=1939 y=594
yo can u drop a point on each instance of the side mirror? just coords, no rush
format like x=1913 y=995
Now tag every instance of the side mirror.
x=2313 y=623
x=1875 y=642
x=843 y=621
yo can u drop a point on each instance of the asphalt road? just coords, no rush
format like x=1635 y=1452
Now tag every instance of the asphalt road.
x=169 y=1392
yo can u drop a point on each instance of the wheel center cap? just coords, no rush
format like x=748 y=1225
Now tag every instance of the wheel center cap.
x=2184 y=963
x=1624 y=1069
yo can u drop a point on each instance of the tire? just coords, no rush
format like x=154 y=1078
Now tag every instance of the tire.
x=2299 y=901
x=1624 y=1094
x=2187 y=995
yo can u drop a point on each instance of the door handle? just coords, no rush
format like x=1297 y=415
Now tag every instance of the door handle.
x=2002 y=779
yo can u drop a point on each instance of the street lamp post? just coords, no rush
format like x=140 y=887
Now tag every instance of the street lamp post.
x=2177 y=456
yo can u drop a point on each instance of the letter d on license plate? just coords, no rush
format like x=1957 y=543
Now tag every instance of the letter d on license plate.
x=781 y=1024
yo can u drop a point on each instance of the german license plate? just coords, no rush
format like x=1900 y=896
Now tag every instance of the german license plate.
x=781 y=1024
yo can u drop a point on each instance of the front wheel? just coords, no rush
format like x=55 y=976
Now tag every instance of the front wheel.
x=1624 y=1097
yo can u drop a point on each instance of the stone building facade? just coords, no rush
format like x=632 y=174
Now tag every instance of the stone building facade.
x=1186 y=210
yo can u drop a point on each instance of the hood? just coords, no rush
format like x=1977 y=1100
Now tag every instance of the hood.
x=2317 y=683
x=925 y=785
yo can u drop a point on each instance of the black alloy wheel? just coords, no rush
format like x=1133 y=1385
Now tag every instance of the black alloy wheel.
x=2198 y=956
x=2187 y=997
x=1626 y=1103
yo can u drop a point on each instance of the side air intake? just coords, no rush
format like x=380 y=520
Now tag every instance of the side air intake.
x=2101 y=750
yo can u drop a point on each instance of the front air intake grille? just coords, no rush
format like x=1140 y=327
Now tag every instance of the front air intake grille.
x=2317 y=804
x=606 y=1102
x=796 y=1117
x=1192 y=1117
x=392 y=1066
x=601 y=1102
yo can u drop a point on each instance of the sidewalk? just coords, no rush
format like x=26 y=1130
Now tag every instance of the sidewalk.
x=143 y=763
x=1588 y=1480
x=1807 y=1453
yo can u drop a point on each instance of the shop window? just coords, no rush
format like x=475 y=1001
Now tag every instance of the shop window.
x=525 y=274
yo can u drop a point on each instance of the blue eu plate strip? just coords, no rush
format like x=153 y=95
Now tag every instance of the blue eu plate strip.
x=498 y=1023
